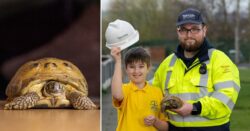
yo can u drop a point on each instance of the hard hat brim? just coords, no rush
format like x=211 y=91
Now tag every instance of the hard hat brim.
x=125 y=44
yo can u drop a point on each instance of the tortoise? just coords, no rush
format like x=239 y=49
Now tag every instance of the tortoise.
x=170 y=102
x=48 y=83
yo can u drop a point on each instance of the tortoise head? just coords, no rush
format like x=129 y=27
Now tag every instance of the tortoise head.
x=53 y=88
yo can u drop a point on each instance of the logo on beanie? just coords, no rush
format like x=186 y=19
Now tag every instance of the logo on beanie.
x=188 y=16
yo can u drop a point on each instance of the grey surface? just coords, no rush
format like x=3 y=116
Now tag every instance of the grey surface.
x=109 y=114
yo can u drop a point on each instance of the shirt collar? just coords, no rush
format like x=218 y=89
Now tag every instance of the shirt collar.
x=135 y=88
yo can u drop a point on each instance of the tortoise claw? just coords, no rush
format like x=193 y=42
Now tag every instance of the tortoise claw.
x=81 y=102
x=22 y=102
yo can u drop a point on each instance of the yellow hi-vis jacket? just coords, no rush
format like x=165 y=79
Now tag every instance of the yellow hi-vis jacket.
x=217 y=89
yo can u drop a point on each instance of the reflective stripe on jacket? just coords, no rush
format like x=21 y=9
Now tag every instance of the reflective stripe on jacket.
x=217 y=89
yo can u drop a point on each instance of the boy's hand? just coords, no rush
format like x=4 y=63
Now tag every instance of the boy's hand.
x=149 y=120
x=116 y=53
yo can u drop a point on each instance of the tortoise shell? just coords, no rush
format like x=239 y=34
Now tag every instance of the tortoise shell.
x=46 y=69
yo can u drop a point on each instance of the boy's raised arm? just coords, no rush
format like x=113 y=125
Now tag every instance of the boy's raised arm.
x=116 y=85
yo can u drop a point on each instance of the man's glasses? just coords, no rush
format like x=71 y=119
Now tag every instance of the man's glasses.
x=184 y=31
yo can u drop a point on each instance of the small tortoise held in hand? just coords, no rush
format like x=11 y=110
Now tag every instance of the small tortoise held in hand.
x=48 y=83
x=171 y=102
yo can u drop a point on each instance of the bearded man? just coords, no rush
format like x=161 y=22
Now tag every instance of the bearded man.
x=204 y=78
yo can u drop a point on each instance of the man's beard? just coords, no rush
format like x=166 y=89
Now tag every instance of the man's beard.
x=191 y=45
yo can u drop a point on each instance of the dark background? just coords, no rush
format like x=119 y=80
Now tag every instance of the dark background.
x=66 y=29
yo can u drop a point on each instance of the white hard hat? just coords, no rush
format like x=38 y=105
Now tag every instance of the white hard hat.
x=120 y=34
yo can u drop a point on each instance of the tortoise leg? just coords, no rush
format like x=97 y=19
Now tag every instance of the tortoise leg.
x=23 y=102
x=81 y=102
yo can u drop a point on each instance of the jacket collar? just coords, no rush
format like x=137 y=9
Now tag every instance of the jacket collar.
x=202 y=55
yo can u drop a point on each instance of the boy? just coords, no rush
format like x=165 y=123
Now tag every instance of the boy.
x=137 y=102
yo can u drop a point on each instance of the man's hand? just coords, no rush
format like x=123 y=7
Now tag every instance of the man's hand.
x=185 y=110
x=116 y=53
x=175 y=104
x=149 y=120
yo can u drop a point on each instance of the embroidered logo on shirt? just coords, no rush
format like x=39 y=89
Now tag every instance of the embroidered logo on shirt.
x=154 y=105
